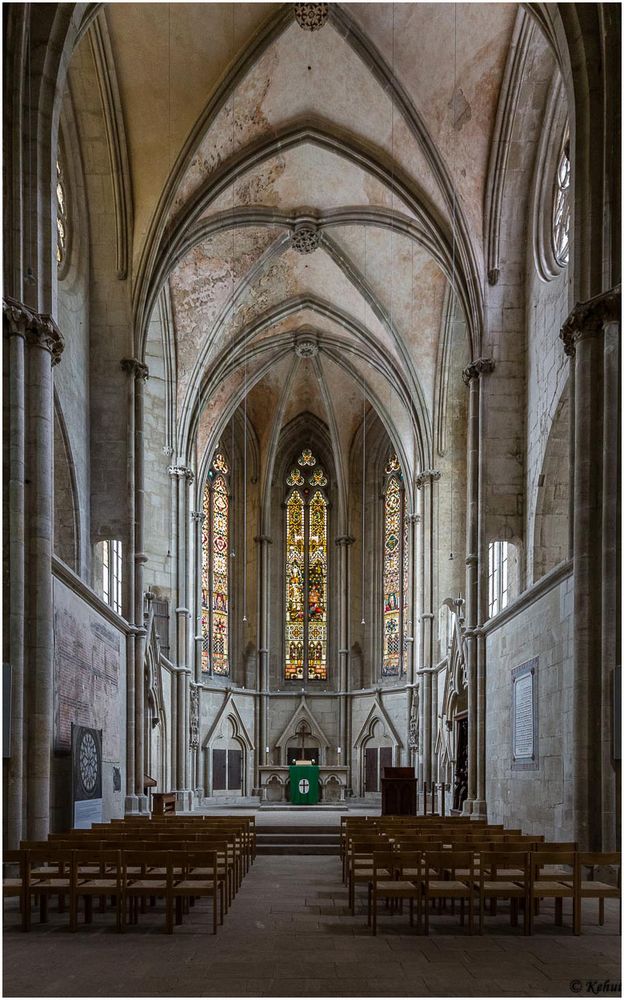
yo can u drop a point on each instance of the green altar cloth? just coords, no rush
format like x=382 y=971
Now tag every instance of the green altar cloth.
x=304 y=784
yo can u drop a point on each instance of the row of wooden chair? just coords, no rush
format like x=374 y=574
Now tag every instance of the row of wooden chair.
x=524 y=878
x=132 y=861
x=364 y=837
x=128 y=877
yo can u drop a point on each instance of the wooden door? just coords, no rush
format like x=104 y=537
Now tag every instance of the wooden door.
x=385 y=759
x=371 y=769
x=235 y=769
x=219 y=782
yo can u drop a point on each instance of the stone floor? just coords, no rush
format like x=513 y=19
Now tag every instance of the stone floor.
x=289 y=933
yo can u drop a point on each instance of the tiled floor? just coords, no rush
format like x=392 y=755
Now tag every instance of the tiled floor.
x=289 y=933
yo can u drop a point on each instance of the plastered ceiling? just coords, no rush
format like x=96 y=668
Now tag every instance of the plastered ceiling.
x=373 y=131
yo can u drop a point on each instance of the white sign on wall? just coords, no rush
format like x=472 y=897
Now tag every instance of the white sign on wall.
x=524 y=716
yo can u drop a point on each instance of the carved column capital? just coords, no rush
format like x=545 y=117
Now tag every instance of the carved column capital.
x=198 y=516
x=413 y=518
x=181 y=471
x=481 y=366
x=427 y=476
x=132 y=366
x=587 y=319
x=44 y=333
x=18 y=317
x=263 y=540
x=345 y=540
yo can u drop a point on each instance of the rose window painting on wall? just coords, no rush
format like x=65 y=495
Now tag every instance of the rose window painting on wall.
x=215 y=622
x=306 y=573
x=395 y=574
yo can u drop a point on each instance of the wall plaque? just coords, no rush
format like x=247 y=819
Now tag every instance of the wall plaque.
x=524 y=734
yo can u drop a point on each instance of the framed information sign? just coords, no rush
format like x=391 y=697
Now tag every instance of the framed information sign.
x=524 y=717
x=86 y=776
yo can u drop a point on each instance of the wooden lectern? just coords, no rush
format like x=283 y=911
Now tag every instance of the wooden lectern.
x=398 y=791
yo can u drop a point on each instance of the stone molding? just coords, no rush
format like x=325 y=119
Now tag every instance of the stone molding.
x=481 y=366
x=179 y=471
x=132 y=366
x=305 y=238
x=587 y=319
x=306 y=349
x=311 y=16
x=263 y=538
x=428 y=476
x=44 y=333
x=38 y=329
x=18 y=317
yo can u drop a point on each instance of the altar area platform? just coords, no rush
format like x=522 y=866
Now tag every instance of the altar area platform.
x=274 y=780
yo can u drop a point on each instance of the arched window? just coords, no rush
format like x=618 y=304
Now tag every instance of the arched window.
x=61 y=217
x=306 y=571
x=216 y=570
x=498 y=576
x=561 y=206
x=395 y=570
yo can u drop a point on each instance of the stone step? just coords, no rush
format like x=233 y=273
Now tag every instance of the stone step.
x=281 y=837
x=296 y=831
x=318 y=849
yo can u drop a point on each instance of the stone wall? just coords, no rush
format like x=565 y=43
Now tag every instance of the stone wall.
x=89 y=690
x=160 y=567
x=547 y=377
x=537 y=800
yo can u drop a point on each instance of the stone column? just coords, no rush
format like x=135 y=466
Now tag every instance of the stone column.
x=45 y=346
x=17 y=319
x=262 y=683
x=591 y=336
x=184 y=477
x=343 y=542
x=411 y=648
x=136 y=799
x=197 y=518
x=424 y=482
x=476 y=738
x=135 y=370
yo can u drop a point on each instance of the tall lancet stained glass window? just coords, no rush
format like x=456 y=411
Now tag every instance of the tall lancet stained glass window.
x=306 y=570
x=395 y=570
x=216 y=570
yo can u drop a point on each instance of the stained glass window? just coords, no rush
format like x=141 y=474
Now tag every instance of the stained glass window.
x=61 y=216
x=395 y=571
x=216 y=570
x=561 y=207
x=306 y=574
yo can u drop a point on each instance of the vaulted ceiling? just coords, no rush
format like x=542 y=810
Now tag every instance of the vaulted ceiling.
x=295 y=187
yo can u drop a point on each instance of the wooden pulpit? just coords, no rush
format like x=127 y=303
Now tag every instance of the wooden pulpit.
x=398 y=791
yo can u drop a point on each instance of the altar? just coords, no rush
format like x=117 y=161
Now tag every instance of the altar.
x=276 y=782
x=304 y=783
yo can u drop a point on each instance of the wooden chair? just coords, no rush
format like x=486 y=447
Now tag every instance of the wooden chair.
x=505 y=875
x=594 y=889
x=48 y=871
x=97 y=872
x=146 y=873
x=360 y=864
x=13 y=863
x=452 y=887
x=549 y=881
x=397 y=875
x=199 y=878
